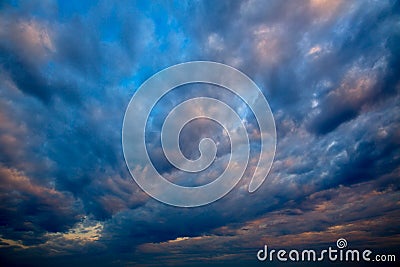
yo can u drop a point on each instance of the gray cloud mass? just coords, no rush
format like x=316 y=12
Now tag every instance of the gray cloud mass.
x=330 y=72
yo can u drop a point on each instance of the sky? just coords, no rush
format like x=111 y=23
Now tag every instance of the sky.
x=330 y=71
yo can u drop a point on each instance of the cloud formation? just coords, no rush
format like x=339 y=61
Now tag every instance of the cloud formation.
x=329 y=70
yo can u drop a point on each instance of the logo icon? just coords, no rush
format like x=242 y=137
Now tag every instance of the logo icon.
x=341 y=243
x=152 y=90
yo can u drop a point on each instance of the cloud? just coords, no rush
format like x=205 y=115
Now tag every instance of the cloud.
x=317 y=222
x=329 y=70
x=27 y=206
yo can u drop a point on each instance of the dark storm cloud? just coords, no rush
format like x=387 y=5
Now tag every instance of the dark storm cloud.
x=342 y=161
x=328 y=69
x=29 y=207
x=26 y=77
x=78 y=139
x=375 y=42
x=291 y=49
x=316 y=222
x=72 y=145
x=26 y=47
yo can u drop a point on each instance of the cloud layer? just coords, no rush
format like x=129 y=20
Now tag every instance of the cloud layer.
x=68 y=69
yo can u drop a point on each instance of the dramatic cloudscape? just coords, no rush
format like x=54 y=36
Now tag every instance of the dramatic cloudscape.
x=330 y=71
